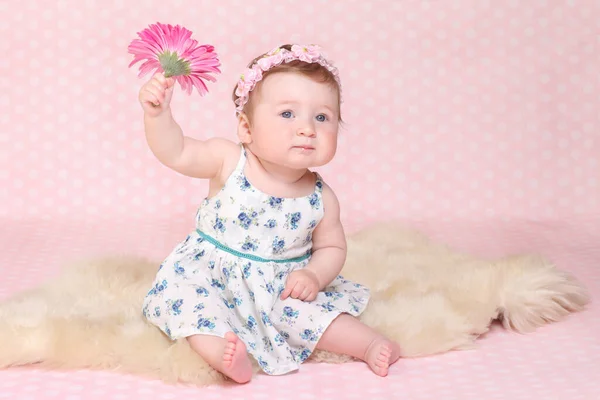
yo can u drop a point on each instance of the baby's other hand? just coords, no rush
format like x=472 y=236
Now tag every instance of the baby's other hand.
x=301 y=284
x=155 y=95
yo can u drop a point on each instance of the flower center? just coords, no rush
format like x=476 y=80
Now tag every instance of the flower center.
x=173 y=65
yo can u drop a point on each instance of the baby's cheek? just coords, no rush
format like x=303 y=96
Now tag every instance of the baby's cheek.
x=329 y=149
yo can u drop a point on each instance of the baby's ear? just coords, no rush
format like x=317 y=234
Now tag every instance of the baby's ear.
x=244 y=134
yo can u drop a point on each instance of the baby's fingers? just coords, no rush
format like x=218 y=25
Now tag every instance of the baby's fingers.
x=298 y=290
x=155 y=94
x=160 y=78
x=306 y=294
x=157 y=87
x=311 y=296
x=288 y=289
x=161 y=81
x=147 y=96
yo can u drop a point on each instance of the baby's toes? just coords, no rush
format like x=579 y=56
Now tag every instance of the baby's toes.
x=229 y=351
x=385 y=353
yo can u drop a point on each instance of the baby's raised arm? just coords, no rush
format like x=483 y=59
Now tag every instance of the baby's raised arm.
x=191 y=157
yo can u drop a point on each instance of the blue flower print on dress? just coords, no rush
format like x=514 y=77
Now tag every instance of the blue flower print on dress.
x=219 y=224
x=280 y=289
x=319 y=185
x=263 y=365
x=271 y=223
x=201 y=290
x=269 y=288
x=327 y=307
x=251 y=324
x=280 y=339
x=292 y=220
x=250 y=244
x=243 y=183
x=179 y=269
x=334 y=295
x=234 y=301
x=289 y=315
x=248 y=217
x=281 y=275
x=229 y=271
x=267 y=344
x=310 y=335
x=265 y=319
x=307 y=239
x=315 y=201
x=276 y=203
x=278 y=245
x=158 y=287
x=218 y=284
x=206 y=323
x=174 y=306
x=302 y=355
x=199 y=254
x=247 y=270
x=228 y=304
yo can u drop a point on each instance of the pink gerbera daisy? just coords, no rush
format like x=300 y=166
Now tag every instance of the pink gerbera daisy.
x=170 y=49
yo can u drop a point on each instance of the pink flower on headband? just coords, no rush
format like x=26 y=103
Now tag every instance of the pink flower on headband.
x=273 y=58
x=248 y=80
x=172 y=50
x=307 y=54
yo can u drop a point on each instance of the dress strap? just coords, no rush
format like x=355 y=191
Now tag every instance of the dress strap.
x=318 y=183
x=242 y=161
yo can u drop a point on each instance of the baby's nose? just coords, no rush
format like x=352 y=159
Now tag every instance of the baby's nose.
x=307 y=130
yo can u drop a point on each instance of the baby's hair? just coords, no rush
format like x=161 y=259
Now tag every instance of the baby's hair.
x=313 y=70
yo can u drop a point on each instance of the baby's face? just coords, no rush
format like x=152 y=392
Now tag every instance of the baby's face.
x=295 y=121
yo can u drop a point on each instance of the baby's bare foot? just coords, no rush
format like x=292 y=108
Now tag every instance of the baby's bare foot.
x=381 y=354
x=236 y=363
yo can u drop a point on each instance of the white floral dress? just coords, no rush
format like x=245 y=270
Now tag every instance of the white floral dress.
x=228 y=274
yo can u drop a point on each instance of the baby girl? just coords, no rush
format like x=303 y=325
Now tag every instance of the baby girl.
x=260 y=274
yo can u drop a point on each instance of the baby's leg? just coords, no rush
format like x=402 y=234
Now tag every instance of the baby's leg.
x=347 y=335
x=227 y=355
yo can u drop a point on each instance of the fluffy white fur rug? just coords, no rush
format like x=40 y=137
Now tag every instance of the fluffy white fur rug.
x=429 y=298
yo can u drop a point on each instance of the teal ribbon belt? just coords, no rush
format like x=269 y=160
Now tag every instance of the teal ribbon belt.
x=252 y=257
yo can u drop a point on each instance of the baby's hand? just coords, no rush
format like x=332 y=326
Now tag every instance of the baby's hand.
x=155 y=95
x=301 y=284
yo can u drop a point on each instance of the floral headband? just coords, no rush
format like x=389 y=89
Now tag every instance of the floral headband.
x=249 y=79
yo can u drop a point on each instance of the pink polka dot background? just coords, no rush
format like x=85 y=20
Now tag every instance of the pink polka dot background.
x=475 y=120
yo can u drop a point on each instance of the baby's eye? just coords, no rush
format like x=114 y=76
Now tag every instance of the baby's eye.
x=286 y=114
x=321 y=117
